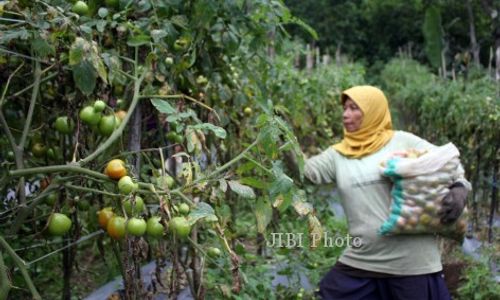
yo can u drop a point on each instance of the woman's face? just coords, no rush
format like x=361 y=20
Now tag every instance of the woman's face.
x=352 y=116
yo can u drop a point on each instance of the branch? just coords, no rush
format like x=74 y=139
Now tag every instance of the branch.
x=22 y=267
x=72 y=168
x=34 y=96
x=4 y=280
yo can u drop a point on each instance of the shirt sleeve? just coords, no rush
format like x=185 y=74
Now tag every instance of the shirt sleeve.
x=320 y=169
x=413 y=141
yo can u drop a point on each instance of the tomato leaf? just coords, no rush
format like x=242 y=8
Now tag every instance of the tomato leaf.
x=263 y=214
x=242 y=190
x=202 y=211
x=138 y=40
x=85 y=77
x=218 y=131
x=158 y=34
x=163 y=106
x=42 y=48
x=282 y=184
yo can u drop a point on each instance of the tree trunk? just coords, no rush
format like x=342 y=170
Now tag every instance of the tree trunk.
x=309 y=58
x=472 y=32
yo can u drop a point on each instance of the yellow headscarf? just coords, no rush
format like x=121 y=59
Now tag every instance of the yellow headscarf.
x=376 y=128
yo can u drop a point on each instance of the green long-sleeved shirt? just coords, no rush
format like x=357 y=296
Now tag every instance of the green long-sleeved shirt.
x=365 y=197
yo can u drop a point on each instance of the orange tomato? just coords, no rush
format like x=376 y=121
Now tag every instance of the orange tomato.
x=120 y=114
x=115 y=169
x=104 y=216
x=116 y=227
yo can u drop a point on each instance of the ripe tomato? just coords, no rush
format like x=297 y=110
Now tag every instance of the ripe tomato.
x=137 y=208
x=184 y=208
x=99 y=105
x=89 y=116
x=154 y=227
x=115 y=169
x=63 y=125
x=136 y=226
x=107 y=125
x=126 y=185
x=116 y=227
x=38 y=150
x=120 y=114
x=104 y=216
x=80 y=8
x=180 y=226
x=59 y=224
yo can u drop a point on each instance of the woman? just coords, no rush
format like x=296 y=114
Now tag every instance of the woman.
x=383 y=267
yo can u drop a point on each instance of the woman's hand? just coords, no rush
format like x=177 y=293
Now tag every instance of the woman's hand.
x=453 y=203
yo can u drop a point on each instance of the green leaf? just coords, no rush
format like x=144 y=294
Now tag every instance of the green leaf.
x=42 y=48
x=7 y=35
x=282 y=183
x=218 y=131
x=85 y=77
x=254 y=182
x=202 y=210
x=78 y=50
x=163 y=106
x=180 y=20
x=158 y=34
x=263 y=214
x=138 y=40
x=242 y=190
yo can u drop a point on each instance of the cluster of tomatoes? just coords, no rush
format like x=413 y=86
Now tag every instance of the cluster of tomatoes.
x=92 y=115
x=117 y=226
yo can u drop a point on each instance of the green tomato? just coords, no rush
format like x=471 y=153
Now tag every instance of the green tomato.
x=59 y=224
x=169 y=61
x=80 y=8
x=38 y=150
x=99 y=105
x=89 y=116
x=154 y=227
x=184 y=208
x=107 y=125
x=63 y=125
x=51 y=199
x=134 y=209
x=136 y=226
x=247 y=111
x=180 y=226
x=126 y=185
x=213 y=252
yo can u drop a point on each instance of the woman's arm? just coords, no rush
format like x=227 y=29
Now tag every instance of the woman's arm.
x=320 y=169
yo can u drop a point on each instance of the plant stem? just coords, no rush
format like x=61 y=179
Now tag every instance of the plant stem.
x=22 y=267
x=118 y=132
x=73 y=168
x=34 y=96
x=4 y=280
